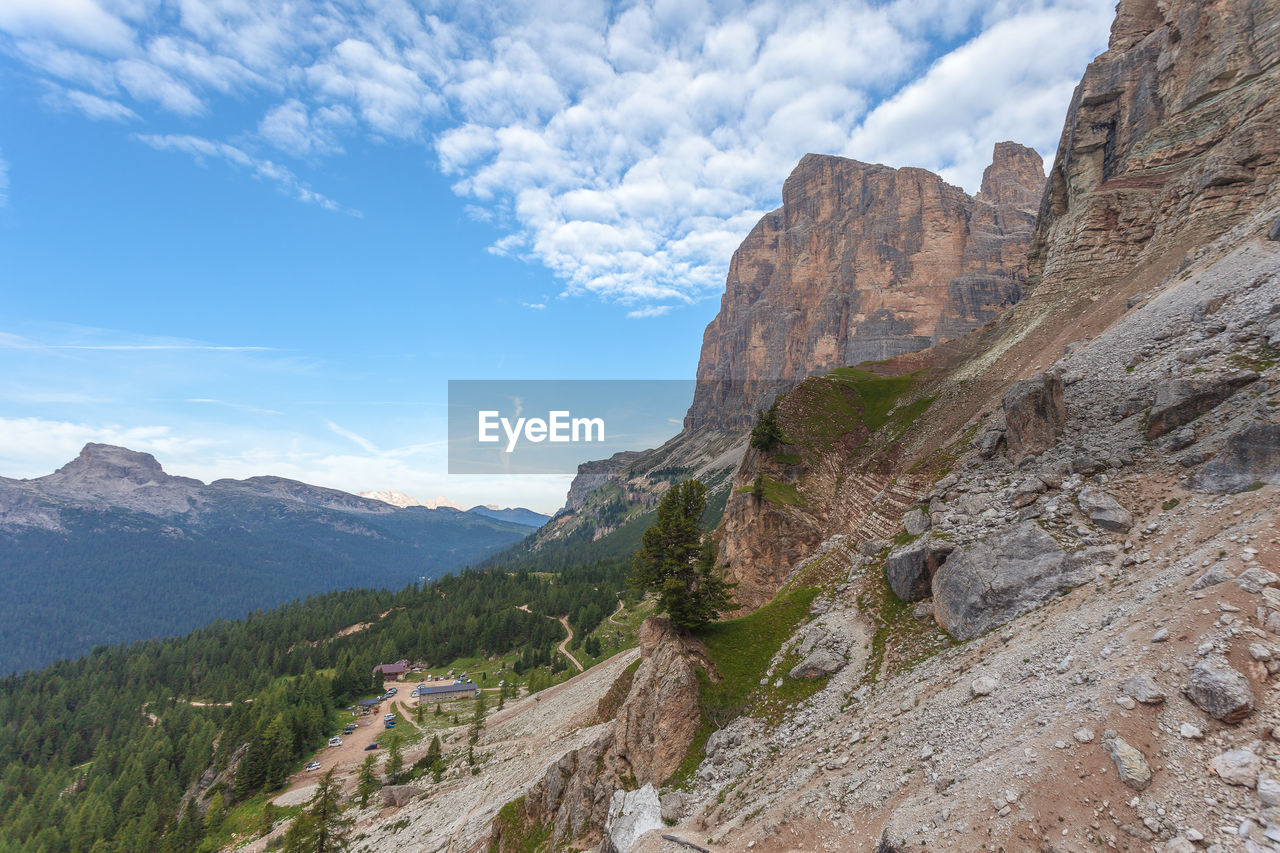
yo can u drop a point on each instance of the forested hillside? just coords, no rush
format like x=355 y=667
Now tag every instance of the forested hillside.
x=97 y=752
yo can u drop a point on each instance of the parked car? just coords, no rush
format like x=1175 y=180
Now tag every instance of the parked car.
x=374 y=745
x=335 y=741
x=393 y=691
x=313 y=765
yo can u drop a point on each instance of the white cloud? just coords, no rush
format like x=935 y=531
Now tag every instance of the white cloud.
x=629 y=149
x=649 y=311
x=103 y=109
x=364 y=443
x=206 y=149
x=148 y=82
x=33 y=447
x=81 y=23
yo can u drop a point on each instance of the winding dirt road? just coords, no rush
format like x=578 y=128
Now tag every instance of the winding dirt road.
x=564 y=644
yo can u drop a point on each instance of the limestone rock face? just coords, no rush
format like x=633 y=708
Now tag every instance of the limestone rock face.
x=1179 y=401
x=910 y=568
x=660 y=715
x=862 y=262
x=631 y=815
x=398 y=795
x=644 y=743
x=1034 y=414
x=1250 y=456
x=1169 y=138
x=999 y=578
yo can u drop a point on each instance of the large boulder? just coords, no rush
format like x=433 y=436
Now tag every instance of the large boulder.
x=1179 y=401
x=911 y=567
x=1220 y=691
x=1001 y=577
x=1250 y=456
x=631 y=815
x=1104 y=510
x=1034 y=414
x=832 y=642
x=399 y=795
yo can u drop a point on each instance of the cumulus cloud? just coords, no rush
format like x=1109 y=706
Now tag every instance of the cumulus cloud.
x=628 y=149
x=32 y=447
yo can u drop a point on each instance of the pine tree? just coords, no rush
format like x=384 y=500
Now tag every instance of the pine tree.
x=395 y=758
x=322 y=827
x=677 y=564
x=367 y=780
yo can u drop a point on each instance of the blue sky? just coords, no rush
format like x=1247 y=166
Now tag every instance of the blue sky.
x=253 y=241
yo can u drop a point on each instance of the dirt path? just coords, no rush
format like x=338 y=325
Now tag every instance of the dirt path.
x=615 y=613
x=345 y=758
x=564 y=644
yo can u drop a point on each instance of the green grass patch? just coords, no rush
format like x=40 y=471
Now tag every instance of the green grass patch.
x=778 y=492
x=611 y=701
x=251 y=818
x=516 y=833
x=901 y=641
x=788 y=459
x=1170 y=504
x=741 y=650
x=822 y=411
x=1259 y=359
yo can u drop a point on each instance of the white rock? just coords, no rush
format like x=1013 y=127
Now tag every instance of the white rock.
x=983 y=685
x=1237 y=767
x=1084 y=735
x=1190 y=732
x=1269 y=790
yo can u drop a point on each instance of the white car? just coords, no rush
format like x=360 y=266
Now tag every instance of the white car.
x=314 y=765
x=335 y=741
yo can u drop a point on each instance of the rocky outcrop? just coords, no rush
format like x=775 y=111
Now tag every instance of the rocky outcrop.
x=656 y=723
x=999 y=578
x=631 y=815
x=862 y=263
x=1170 y=139
x=644 y=744
x=1251 y=456
x=593 y=475
x=1179 y=401
x=1034 y=415
x=911 y=567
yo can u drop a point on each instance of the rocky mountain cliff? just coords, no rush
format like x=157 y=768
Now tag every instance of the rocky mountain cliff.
x=862 y=263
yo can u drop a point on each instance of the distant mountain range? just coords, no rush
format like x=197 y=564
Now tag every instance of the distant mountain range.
x=519 y=514
x=110 y=548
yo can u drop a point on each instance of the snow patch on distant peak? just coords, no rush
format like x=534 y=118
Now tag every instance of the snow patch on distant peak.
x=400 y=499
